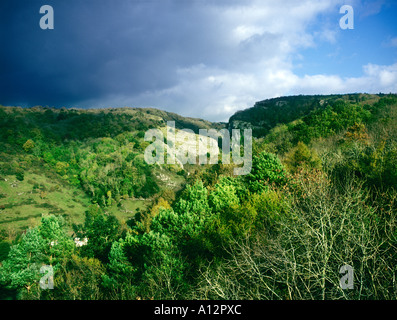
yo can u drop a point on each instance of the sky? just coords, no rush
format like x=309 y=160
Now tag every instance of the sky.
x=198 y=58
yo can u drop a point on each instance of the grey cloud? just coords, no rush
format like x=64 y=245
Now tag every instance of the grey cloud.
x=178 y=55
x=101 y=48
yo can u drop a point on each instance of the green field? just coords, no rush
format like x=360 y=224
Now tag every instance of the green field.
x=23 y=203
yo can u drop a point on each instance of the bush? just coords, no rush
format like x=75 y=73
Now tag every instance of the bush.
x=266 y=169
x=270 y=206
x=28 y=145
x=325 y=230
x=302 y=156
x=4 y=250
x=19 y=174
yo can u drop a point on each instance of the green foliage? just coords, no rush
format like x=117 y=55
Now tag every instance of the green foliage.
x=223 y=198
x=165 y=276
x=147 y=218
x=121 y=272
x=266 y=170
x=118 y=261
x=227 y=221
x=389 y=174
x=4 y=249
x=331 y=120
x=194 y=199
x=302 y=156
x=374 y=163
x=61 y=168
x=267 y=209
x=98 y=151
x=22 y=267
x=101 y=230
x=46 y=244
x=19 y=174
x=78 y=278
x=28 y=145
x=152 y=262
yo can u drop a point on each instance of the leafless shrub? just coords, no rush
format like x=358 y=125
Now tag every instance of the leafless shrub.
x=328 y=227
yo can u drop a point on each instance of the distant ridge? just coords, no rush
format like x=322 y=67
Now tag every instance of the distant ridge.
x=267 y=114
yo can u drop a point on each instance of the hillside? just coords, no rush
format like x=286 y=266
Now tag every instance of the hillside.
x=321 y=194
x=266 y=114
x=59 y=161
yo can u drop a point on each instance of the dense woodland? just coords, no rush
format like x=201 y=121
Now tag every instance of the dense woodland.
x=321 y=194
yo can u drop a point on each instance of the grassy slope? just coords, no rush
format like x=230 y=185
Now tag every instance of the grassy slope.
x=42 y=191
x=24 y=202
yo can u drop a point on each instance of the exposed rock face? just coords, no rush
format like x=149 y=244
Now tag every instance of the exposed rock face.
x=190 y=146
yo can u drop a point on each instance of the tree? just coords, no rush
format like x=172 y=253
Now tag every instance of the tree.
x=101 y=230
x=46 y=244
x=357 y=132
x=28 y=145
x=326 y=229
x=78 y=278
x=148 y=217
x=61 y=167
x=194 y=199
x=266 y=170
x=167 y=273
x=302 y=156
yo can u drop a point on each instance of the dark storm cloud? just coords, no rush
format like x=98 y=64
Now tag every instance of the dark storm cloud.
x=98 y=48
x=202 y=58
x=195 y=57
